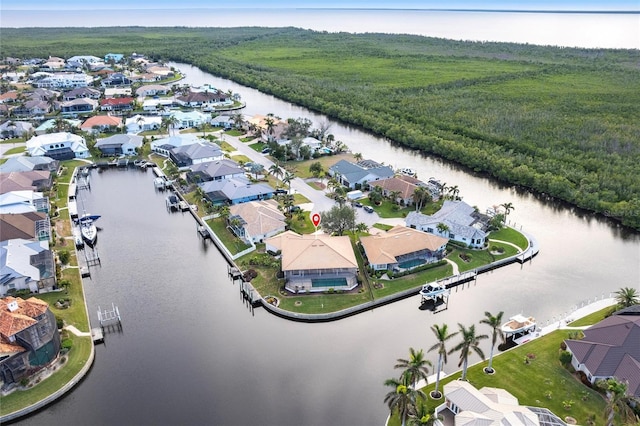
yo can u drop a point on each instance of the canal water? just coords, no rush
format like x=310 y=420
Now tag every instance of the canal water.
x=192 y=353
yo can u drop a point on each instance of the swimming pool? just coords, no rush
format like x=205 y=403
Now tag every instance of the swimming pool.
x=411 y=263
x=329 y=282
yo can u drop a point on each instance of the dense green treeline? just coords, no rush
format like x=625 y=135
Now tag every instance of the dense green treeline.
x=563 y=122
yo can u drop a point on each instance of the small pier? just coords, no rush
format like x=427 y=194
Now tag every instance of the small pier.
x=234 y=273
x=173 y=202
x=97 y=335
x=159 y=183
x=109 y=319
x=84 y=182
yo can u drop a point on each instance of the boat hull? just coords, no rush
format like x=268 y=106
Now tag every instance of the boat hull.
x=89 y=233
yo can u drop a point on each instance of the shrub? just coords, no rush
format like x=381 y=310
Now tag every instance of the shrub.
x=59 y=323
x=249 y=275
x=66 y=344
x=565 y=357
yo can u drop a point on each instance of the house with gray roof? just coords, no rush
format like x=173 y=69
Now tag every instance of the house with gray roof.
x=33 y=180
x=23 y=201
x=82 y=92
x=24 y=164
x=610 y=348
x=15 y=129
x=197 y=153
x=215 y=170
x=462 y=223
x=120 y=144
x=164 y=145
x=357 y=175
x=235 y=190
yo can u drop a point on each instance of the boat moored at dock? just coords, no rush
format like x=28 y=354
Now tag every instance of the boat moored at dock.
x=518 y=325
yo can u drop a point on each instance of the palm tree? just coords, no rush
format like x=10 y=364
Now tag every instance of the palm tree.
x=442 y=228
x=422 y=415
x=362 y=227
x=238 y=120
x=269 y=121
x=288 y=177
x=469 y=342
x=442 y=336
x=415 y=368
x=275 y=170
x=402 y=397
x=627 y=296
x=357 y=156
x=507 y=209
x=495 y=322
x=172 y=122
x=394 y=195
x=618 y=402
x=454 y=191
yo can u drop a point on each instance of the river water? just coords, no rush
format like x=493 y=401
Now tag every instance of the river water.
x=191 y=353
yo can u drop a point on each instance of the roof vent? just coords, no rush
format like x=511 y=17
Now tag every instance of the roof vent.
x=13 y=306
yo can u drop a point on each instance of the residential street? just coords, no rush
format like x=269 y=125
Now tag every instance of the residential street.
x=319 y=201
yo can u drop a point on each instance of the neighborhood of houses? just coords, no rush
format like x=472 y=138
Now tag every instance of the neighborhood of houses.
x=98 y=113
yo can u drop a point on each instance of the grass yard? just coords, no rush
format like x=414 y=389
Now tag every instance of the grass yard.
x=76 y=359
x=241 y=159
x=226 y=146
x=594 y=317
x=15 y=150
x=387 y=209
x=382 y=226
x=258 y=146
x=234 y=132
x=511 y=235
x=302 y=167
x=233 y=243
x=247 y=139
x=544 y=382
x=416 y=280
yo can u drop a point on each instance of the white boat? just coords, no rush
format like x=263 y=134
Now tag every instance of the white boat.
x=77 y=238
x=434 y=291
x=407 y=171
x=88 y=228
x=518 y=324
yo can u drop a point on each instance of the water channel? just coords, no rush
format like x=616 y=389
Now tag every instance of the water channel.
x=191 y=353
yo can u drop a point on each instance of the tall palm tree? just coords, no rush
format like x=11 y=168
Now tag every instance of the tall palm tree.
x=402 y=397
x=415 y=368
x=173 y=121
x=627 y=296
x=394 y=195
x=470 y=341
x=618 y=401
x=442 y=228
x=454 y=191
x=495 y=322
x=357 y=156
x=442 y=336
x=507 y=209
x=288 y=177
x=275 y=170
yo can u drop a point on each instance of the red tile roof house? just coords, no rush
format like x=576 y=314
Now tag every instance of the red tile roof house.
x=100 y=123
x=117 y=104
x=610 y=348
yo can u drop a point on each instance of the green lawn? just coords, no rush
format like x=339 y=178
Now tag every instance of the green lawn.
x=234 y=132
x=233 y=243
x=300 y=199
x=593 y=318
x=247 y=139
x=258 y=146
x=226 y=146
x=387 y=209
x=531 y=382
x=409 y=281
x=241 y=159
x=382 y=226
x=511 y=235
x=302 y=167
x=76 y=359
x=15 y=150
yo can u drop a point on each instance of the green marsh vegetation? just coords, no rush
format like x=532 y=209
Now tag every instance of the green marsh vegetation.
x=558 y=121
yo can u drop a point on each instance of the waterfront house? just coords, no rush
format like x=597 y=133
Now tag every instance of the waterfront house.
x=235 y=190
x=358 y=175
x=64 y=81
x=34 y=226
x=404 y=188
x=142 y=123
x=611 y=348
x=164 y=145
x=25 y=164
x=32 y=180
x=489 y=406
x=120 y=145
x=196 y=153
x=315 y=263
x=204 y=99
x=456 y=220
x=26 y=265
x=224 y=121
x=101 y=123
x=51 y=125
x=402 y=248
x=215 y=170
x=29 y=338
x=83 y=60
x=116 y=79
x=23 y=201
x=256 y=220
x=60 y=146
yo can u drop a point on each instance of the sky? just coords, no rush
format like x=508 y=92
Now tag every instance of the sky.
x=604 y=5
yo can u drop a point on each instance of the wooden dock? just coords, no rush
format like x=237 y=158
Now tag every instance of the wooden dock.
x=97 y=335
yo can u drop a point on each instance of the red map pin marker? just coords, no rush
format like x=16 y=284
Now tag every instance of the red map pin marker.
x=315 y=219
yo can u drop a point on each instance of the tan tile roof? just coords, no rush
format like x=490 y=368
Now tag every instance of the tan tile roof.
x=385 y=247
x=8 y=349
x=102 y=120
x=23 y=317
x=304 y=252
x=262 y=217
x=405 y=188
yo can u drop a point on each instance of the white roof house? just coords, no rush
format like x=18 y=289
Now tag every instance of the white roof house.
x=23 y=202
x=485 y=407
x=164 y=145
x=59 y=146
x=257 y=220
x=25 y=265
x=190 y=119
x=65 y=81
x=120 y=144
x=140 y=123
